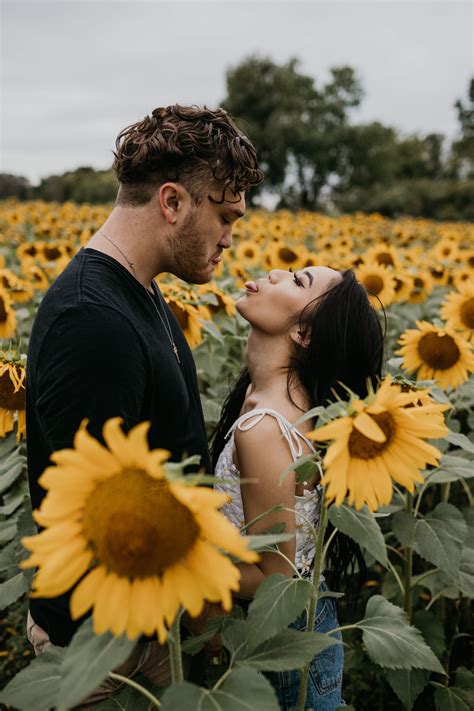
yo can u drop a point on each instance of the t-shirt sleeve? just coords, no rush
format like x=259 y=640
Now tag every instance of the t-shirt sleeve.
x=91 y=365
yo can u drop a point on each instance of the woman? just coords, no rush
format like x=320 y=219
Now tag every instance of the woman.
x=310 y=332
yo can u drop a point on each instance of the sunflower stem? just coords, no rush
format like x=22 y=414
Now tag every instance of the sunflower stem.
x=317 y=567
x=124 y=679
x=174 y=646
x=408 y=564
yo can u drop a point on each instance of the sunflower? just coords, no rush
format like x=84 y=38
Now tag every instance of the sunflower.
x=142 y=544
x=377 y=441
x=7 y=315
x=436 y=353
x=403 y=286
x=224 y=301
x=383 y=254
x=422 y=287
x=379 y=283
x=458 y=310
x=248 y=254
x=188 y=317
x=282 y=256
x=19 y=290
x=36 y=276
x=12 y=396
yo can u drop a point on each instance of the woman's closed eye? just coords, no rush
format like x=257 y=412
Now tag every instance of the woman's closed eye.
x=297 y=281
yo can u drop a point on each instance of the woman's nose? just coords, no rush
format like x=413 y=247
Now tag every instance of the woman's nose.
x=276 y=274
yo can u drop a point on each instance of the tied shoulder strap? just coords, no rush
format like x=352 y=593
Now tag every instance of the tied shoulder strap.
x=289 y=431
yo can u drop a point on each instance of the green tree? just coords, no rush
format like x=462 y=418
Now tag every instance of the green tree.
x=462 y=150
x=295 y=125
x=14 y=186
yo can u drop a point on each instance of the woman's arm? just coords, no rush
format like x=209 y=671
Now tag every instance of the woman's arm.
x=262 y=454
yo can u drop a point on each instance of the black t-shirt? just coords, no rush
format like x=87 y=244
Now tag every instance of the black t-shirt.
x=98 y=349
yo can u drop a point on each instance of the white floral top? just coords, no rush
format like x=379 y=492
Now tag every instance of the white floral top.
x=309 y=504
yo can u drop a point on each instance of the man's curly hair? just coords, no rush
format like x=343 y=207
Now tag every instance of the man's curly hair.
x=197 y=147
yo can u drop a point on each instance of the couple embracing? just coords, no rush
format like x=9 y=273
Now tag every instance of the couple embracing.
x=105 y=344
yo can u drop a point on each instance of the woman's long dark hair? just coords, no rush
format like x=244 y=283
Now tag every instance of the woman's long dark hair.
x=345 y=346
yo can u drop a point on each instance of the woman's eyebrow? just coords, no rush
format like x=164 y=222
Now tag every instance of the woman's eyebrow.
x=310 y=277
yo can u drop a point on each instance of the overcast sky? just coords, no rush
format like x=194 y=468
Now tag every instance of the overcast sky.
x=75 y=72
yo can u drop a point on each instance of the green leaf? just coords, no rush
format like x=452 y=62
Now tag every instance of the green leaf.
x=449 y=699
x=362 y=527
x=10 y=474
x=466 y=570
x=193 y=645
x=88 y=660
x=36 y=686
x=432 y=630
x=7 y=532
x=9 y=508
x=407 y=684
x=13 y=589
x=460 y=440
x=263 y=541
x=289 y=649
x=391 y=642
x=278 y=601
x=452 y=468
x=243 y=690
x=305 y=467
x=438 y=537
x=129 y=699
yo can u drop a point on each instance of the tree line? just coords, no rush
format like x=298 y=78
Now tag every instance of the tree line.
x=314 y=155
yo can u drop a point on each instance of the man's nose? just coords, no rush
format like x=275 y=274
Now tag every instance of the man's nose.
x=226 y=240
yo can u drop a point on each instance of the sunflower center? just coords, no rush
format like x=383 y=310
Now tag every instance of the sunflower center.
x=385 y=258
x=135 y=525
x=373 y=283
x=10 y=400
x=51 y=253
x=440 y=352
x=287 y=255
x=3 y=311
x=362 y=447
x=466 y=313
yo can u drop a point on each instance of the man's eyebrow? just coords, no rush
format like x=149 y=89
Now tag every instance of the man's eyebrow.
x=310 y=277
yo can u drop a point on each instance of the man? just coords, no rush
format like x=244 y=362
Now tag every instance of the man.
x=104 y=342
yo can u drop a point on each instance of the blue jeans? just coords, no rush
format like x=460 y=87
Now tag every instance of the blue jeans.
x=325 y=672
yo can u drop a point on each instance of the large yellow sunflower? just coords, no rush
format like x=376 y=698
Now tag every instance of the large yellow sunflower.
x=142 y=544
x=7 y=315
x=379 y=283
x=248 y=254
x=458 y=310
x=436 y=353
x=12 y=396
x=379 y=439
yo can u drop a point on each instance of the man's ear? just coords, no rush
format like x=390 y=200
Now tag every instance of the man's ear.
x=302 y=338
x=173 y=198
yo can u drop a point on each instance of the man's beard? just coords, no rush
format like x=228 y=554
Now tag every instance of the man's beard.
x=189 y=253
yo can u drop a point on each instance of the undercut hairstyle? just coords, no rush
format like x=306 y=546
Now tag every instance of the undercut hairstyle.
x=198 y=147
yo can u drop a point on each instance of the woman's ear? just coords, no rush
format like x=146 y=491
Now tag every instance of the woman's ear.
x=302 y=338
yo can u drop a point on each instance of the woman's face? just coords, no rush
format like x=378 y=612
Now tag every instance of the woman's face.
x=276 y=301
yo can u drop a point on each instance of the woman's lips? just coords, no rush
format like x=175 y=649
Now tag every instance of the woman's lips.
x=251 y=286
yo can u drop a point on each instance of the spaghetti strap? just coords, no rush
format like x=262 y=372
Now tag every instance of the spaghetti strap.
x=292 y=435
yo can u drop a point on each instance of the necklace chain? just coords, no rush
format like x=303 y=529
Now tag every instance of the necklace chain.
x=168 y=330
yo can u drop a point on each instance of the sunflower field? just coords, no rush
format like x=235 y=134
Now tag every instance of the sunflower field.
x=397 y=470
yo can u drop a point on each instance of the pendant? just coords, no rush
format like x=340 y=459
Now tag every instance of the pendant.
x=176 y=352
